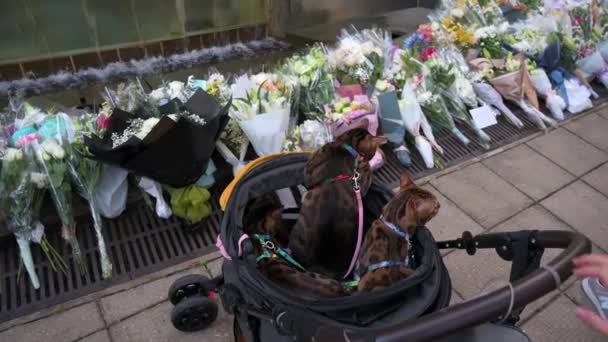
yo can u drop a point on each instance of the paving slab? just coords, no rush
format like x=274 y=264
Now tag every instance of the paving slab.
x=482 y=194
x=558 y=323
x=528 y=171
x=584 y=209
x=591 y=128
x=100 y=336
x=450 y=222
x=455 y=298
x=155 y=325
x=486 y=271
x=126 y=303
x=598 y=178
x=604 y=114
x=569 y=151
x=69 y=325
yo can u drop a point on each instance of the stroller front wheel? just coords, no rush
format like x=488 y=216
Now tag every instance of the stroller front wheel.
x=189 y=286
x=194 y=314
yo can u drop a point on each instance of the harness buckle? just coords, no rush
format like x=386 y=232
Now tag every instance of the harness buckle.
x=356 y=177
x=269 y=245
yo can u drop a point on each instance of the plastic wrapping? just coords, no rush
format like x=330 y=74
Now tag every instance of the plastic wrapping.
x=543 y=86
x=414 y=121
x=85 y=174
x=594 y=66
x=262 y=105
x=579 y=96
x=490 y=96
x=53 y=161
x=110 y=195
x=358 y=57
x=317 y=85
x=21 y=194
x=155 y=190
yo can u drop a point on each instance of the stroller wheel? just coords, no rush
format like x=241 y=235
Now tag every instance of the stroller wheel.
x=194 y=314
x=189 y=286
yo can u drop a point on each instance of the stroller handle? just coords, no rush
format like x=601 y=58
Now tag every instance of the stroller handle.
x=492 y=305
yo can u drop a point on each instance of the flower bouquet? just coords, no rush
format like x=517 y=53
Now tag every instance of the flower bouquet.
x=358 y=58
x=543 y=86
x=590 y=60
x=308 y=136
x=415 y=120
x=262 y=105
x=345 y=114
x=316 y=83
x=52 y=160
x=85 y=174
x=22 y=189
x=513 y=83
x=148 y=147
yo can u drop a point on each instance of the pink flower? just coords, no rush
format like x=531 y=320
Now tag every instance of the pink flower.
x=102 y=121
x=26 y=139
x=428 y=53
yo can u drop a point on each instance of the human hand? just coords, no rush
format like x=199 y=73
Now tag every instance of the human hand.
x=594 y=266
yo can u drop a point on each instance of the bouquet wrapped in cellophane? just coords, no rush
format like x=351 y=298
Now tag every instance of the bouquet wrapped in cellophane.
x=22 y=189
x=510 y=77
x=262 y=106
x=52 y=159
x=358 y=59
x=85 y=174
x=316 y=82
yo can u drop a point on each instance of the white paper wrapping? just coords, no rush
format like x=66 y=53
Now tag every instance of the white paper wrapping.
x=541 y=82
x=267 y=131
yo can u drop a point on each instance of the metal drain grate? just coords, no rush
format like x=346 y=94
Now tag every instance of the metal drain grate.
x=140 y=243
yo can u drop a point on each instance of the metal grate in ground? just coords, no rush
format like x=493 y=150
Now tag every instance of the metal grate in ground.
x=140 y=243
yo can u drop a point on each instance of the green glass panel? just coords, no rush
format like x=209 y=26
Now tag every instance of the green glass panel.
x=209 y=15
x=114 y=21
x=158 y=19
x=63 y=25
x=18 y=32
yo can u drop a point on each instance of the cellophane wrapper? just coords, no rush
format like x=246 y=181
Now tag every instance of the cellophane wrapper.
x=22 y=189
x=85 y=174
x=53 y=161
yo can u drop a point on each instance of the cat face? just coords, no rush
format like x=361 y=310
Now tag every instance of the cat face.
x=362 y=141
x=264 y=216
x=412 y=206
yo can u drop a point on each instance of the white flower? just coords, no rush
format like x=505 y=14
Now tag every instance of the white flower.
x=53 y=149
x=383 y=86
x=39 y=179
x=260 y=78
x=12 y=154
x=457 y=12
x=424 y=97
x=146 y=128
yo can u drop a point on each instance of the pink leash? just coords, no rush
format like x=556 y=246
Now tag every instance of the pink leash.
x=353 y=261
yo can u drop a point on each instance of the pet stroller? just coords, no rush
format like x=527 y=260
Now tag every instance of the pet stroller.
x=414 y=309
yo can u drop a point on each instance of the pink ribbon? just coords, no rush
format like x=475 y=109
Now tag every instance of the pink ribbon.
x=26 y=139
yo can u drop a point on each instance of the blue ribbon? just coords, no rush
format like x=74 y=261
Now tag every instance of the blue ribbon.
x=557 y=77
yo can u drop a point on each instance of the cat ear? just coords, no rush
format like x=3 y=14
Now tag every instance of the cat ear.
x=405 y=181
x=364 y=123
x=380 y=140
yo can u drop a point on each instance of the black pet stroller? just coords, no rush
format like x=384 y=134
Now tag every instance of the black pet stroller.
x=414 y=309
